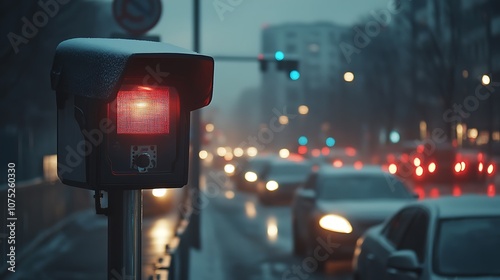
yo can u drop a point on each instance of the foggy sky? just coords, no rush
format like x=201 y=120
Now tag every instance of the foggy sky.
x=239 y=32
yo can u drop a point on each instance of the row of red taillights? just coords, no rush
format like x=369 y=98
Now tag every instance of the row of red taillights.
x=459 y=168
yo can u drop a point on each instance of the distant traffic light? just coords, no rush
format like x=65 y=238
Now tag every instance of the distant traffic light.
x=279 y=55
x=303 y=140
x=330 y=141
x=289 y=66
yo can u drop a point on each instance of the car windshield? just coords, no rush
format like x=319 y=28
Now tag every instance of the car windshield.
x=257 y=165
x=468 y=247
x=356 y=187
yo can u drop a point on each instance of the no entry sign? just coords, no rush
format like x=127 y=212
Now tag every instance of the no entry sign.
x=137 y=16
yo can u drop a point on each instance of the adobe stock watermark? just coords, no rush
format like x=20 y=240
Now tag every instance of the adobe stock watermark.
x=310 y=264
x=223 y=6
x=456 y=114
x=363 y=37
x=93 y=138
x=48 y=9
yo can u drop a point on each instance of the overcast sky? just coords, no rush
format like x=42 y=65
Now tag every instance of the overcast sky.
x=238 y=31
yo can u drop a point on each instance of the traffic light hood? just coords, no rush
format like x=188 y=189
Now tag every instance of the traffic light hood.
x=96 y=68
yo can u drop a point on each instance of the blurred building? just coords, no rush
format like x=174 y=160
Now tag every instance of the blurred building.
x=480 y=55
x=315 y=46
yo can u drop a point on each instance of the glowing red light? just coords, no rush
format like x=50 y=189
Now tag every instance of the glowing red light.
x=302 y=150
x=260 y=56
x=142 y=112
x=419 y=171
x=490 y=169
x=350 y=151
x=325 y=151
x=434 y=193
x=458 y=167
x=491 y=191
x=316 y=152
x=480 y=157
x=393 y=168
x=420 y=148
x=420 y=191
x=456 y=191
x=391 y=158
x=404 y=157
x=432 y=167
x=358 y=165
x=480 y=167
x=338 y=163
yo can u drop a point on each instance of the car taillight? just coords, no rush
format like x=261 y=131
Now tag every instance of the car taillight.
x=458 y=167
x=393 y=168
x=416 y=162
x=491 y=191
x=142 y=111
x=480 y=167
x=358 y=165
x=490 y=169
x=419 y=171
x=338 y=163
x=431 y=167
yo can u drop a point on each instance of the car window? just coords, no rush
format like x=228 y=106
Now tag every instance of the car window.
x=415 y=236
x=359 y=187
x=468 y=247
x=398 y=224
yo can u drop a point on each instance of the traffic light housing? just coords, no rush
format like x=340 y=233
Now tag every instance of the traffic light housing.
x=123 y=111
x=289 y=66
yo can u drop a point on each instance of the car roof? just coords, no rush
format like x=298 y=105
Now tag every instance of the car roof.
x=449 y=207
x=351 y=171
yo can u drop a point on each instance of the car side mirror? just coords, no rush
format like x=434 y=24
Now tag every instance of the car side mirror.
x=403 y=264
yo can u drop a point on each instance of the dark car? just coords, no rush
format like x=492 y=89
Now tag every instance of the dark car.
x=280 y=179
x=247 y=172
x=446 y=238
x=339 y=204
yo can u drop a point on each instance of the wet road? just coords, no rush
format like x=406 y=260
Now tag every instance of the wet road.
x=250 y=241
x=243 y=239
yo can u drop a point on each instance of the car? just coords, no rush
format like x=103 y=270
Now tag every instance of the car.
x=247 y=173
x=339 y=204
x=445 y=238
x=280 y=178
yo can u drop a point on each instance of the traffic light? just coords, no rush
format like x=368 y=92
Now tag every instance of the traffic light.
x=123 y=111
x=303 y=140
x=289 y=66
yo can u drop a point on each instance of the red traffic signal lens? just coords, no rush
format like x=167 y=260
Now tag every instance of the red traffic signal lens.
x=143 y=111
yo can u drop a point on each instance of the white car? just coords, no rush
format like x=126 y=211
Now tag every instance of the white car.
x=447 y=238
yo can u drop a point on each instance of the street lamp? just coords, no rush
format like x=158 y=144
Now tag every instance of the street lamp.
x=303 y=109
x=348 y=77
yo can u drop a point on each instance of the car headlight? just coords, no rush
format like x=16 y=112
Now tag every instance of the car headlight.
x=251 y=176
x=159 y=192
x=272 y=186
x=335 y=223
x=229 y=168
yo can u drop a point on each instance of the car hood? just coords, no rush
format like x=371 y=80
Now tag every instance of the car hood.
x=287 y=179
x=375 y=210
